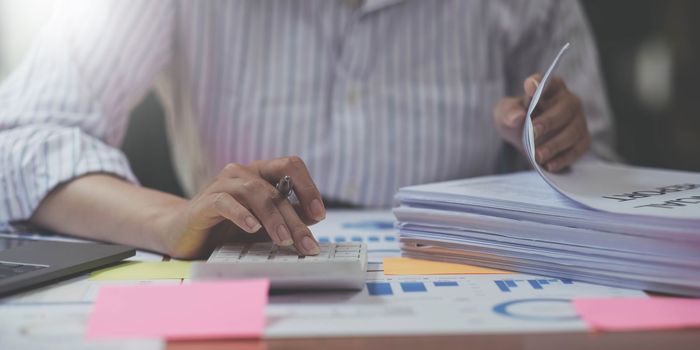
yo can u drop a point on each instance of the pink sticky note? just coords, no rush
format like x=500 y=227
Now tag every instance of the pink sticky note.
x=623 y=314
x=227 y=309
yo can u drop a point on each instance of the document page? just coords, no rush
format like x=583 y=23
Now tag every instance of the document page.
x=618 y=188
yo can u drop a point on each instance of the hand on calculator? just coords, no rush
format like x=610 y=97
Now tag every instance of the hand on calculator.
x=245 y=197
x=337 y=266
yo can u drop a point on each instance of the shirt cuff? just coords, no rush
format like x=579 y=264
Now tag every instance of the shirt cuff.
x=36 y=159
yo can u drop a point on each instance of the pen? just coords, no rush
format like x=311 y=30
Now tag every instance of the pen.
x=284 y=186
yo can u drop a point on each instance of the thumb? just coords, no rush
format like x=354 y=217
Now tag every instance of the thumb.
x=530 y=85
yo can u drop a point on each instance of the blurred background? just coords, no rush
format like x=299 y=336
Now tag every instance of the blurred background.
x=649 y=51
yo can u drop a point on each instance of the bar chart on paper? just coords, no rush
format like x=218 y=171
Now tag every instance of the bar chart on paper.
x=371 y=238
x=434 y=286
x=385 y=288
x=507 y=285
x=375 y=228
x=497 y=287
x=437 y=304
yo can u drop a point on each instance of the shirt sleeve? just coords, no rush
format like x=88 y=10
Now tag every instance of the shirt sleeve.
x=64 y=111
x=534 y=32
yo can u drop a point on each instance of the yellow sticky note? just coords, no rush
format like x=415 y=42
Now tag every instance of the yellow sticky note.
x=407 y=266
x=144 y=270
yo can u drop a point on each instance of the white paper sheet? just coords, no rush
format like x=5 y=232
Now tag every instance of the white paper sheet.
x=617 y=188
x=449 y=304
x=526 y=196
x=632 y=190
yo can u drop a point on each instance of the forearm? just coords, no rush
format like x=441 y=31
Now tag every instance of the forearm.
x=106 y=208
x=241 y=200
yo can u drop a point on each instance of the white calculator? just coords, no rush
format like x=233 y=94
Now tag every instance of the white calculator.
x=338 y=266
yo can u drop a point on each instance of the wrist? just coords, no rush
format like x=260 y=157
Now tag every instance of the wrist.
x=165 y=222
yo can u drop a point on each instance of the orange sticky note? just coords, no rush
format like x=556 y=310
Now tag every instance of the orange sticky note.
x=627 y=314
x=206 y=310
x=408 y=266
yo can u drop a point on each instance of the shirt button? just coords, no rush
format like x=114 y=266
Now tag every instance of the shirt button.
x=353 y=4
x=352 y=96
x=350 y=190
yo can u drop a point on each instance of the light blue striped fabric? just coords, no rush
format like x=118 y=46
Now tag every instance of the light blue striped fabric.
x=372 y=95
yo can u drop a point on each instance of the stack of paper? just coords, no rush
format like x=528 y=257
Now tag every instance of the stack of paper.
x=517 y=222
x=605 y=223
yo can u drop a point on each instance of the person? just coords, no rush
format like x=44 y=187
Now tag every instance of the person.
x=351 y=99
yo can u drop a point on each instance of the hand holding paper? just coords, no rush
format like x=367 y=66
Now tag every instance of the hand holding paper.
x=609 y=223
x=560 y=128
x=609 y=187
x=529 y=138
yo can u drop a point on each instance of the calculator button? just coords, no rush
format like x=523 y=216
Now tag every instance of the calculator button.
x=260 y=246
x=249 y=253
x=285 y=254
x=347 y=249
x=254 y=258
x=286 y=258
x=317 y=257
x=259 y=252
x=347 y=254
x=345 y=258
x=235 y=255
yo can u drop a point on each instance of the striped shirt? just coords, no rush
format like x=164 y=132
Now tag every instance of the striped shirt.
x=373 y=95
